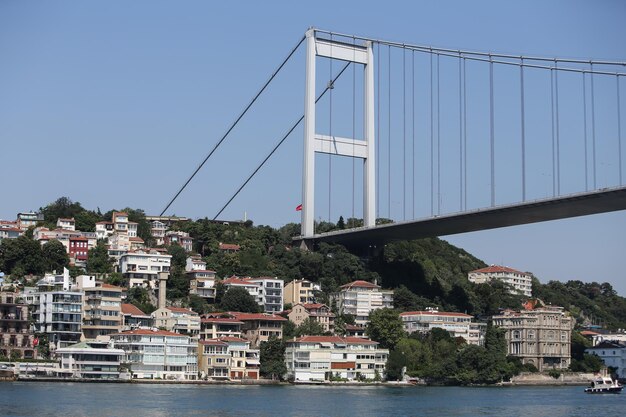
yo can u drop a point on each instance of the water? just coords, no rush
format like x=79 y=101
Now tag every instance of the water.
x=75 y=399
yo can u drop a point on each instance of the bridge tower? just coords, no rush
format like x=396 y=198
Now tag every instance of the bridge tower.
x=362 y=149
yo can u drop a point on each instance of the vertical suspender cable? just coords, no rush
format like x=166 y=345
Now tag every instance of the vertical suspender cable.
x=460 y=136
x=492 y=134
x=553 y=138
x=432 y=177
x=464 y=135
x=619 y=131
x=438 y=141
x=585 y=132
x=388 y=130
x=353 y=118
x=404 y=133
x=413 y=131
x=593 y=128
x=558 y=150
x=523 y=123
x=378 y=133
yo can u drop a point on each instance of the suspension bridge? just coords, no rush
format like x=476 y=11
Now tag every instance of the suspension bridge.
x=443 y=141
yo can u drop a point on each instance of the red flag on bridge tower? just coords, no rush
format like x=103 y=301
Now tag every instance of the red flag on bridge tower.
x=299 y=208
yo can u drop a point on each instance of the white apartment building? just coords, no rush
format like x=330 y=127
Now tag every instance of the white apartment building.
x=58 y=314
x=359 y=298
x=90 y=359
x=104 y=230
x=457 y=324
x=176 y=319
x=301 y=291
x=158 y=354
x=201 y=280
x=519 y=282
x=267 y=291
x=318 y=358
x=141 y=267
x=612 y=353
x=67 y=224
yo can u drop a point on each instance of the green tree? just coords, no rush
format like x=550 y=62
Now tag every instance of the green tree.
x=309 y=327
x=199 y=304
x=23 y=255
x=385 y=327
x=238 y=299
x=98 y=261
x=55 y=256
x=273 y=358
x=139 y=297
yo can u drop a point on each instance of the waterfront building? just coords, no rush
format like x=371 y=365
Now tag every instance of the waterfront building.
x=320 y=358
x=102 y=310
x=228 y=358
x=360 y=298
x=176 y=319
x=301 y=291
x=457 y=324
x=17 y=340
x=218 y=325
x=518 y=282
x=319 y=313
x=160 y=354
x=613 y=354
x=258 y=327
x=539 y=336
x=58 y=314
x=90 y=359
x=134 y=318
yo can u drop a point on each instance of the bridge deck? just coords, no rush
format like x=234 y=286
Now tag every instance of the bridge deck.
x=582 y=204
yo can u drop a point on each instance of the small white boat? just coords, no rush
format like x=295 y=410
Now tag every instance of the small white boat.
x=604 y=385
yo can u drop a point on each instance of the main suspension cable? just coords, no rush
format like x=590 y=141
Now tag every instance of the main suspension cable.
x=328 y=87
x=232 y=126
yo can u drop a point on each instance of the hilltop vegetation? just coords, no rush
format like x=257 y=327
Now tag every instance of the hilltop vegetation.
x=424 y=273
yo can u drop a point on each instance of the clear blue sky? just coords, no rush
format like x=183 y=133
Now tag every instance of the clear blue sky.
x=114 y=103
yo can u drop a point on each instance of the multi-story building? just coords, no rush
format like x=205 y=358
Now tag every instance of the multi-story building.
x=228 y=358
x=319 y=313
x=258 y=327
x=179 y=320
x=301 y=291
x=539 y=336
x=120 y=222
x=518 y=282
x=613 y=354
x=26 y=220
x=267 y=291
x=58 y=314
x=174 y=237
x=218 y=325
x=201 y=280
x=10 y=233
x=67 y=224
x=141 y=267
x=90 y=359
x=134 y=318
x=160 y=224
x=360 y=298
x=104 y=229
x=158 y=354
x=16 y=337
x=102 y=314
x=319 y=358
x=457 y=324
x=78 y=250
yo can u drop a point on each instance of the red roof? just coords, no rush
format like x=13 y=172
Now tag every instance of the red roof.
x=112 y=287
x=181 y=310
x=313 y=306
x=222 y=320
x=152 y=332
x=229 y=246
x=336 y=339
x=496 y=268
x=238 y=281
x=257 y=316
x=232 y=339
x=360 y=284
x=588 y=333
x=434 y=313
x=135 y=239
x=132 y=310
x=213 y=342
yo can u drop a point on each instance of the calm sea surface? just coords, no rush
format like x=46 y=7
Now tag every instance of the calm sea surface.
x=75 y=399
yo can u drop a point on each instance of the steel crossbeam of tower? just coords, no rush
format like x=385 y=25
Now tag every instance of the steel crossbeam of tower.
x=362 y=149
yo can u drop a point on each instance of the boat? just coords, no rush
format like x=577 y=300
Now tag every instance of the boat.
x=604 y=385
